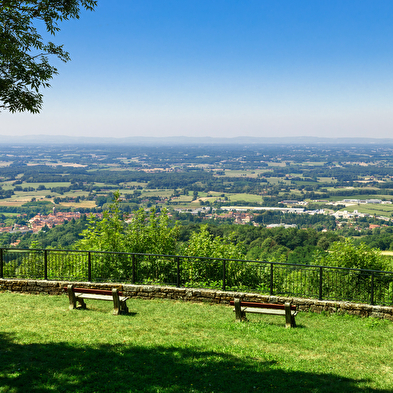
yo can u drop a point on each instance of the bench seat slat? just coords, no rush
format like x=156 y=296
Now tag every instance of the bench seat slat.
x=267 y=311
x=98 y=297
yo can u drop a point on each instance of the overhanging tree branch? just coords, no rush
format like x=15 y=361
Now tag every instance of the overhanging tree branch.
x=24 y=57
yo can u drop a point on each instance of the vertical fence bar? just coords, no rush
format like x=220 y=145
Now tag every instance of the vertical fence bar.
x=320 y=282
x=133 y=269
x=1 y=263
x=271 y=279
x=372 y=289
x=89 y=266
x=45 y=265
x=223 y=274
x=178 y=272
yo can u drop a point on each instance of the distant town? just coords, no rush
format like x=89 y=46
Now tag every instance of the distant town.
x=341 y=188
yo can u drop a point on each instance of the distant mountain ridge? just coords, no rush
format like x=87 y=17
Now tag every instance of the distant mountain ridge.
x=185 y=140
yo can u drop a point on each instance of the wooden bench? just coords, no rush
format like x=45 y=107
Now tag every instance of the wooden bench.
x=77 y=295
x=288 y=310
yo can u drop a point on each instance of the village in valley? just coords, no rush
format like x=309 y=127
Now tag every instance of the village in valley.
x=325 y=187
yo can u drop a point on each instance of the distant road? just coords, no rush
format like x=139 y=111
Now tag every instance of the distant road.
x=245 y=208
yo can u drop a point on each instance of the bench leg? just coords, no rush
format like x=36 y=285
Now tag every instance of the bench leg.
x=81 y=303
x=116 y=301
x=74 y=299
x=289 y=319
x=240 y=315
x=123 y=308
x=293 y=321
x=119 y=306
x=71 y=297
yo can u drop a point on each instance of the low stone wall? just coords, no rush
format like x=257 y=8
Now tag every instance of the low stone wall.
x=198 y=295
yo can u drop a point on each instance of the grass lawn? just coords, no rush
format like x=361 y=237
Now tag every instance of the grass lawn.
x=170 y=346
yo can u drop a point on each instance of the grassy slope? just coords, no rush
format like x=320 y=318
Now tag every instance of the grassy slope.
x=168 y=346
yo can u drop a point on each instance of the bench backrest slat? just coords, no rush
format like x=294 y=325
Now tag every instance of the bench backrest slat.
x=263 y=305
x=94 y=291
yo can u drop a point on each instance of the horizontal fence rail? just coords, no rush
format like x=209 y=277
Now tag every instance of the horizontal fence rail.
x=273 y=278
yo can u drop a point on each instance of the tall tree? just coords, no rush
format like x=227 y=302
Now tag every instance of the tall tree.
x=144 y=233
x=24 y=56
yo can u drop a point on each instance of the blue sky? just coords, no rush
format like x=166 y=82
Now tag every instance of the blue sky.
x=221 y=68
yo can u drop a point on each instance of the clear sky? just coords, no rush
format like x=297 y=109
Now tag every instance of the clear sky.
x=221 y=68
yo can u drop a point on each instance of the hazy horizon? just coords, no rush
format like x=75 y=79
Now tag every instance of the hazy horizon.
x=239 y=141
x=221 y=69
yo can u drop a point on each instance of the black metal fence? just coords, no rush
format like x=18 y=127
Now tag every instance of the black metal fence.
x=274 y=278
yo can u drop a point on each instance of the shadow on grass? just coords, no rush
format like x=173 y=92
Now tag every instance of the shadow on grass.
x=104 y=311
x=61 y=367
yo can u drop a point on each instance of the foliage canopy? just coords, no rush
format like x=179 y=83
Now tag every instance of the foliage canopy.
x=24 y=64
x=350 y=255
x=203 y=244
x=144 y=233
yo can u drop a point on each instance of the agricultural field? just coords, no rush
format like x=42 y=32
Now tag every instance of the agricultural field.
x=378 y=209
x=84 y=178
x=82 y=204
x=246 y=173
x=257 y=199
x=355 y=195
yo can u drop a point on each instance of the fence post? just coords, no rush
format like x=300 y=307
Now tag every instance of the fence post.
x=89 y=266
x=320 y=283
x=271 y=279
x=178 y=272
x=372 y=289
x=45 y=265
x=223 y=274
x=1 y=263
x=133 y=268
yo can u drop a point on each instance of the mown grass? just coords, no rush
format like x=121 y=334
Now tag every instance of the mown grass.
x=171 y=346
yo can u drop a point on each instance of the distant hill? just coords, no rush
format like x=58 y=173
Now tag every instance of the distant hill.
x=185 y=140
